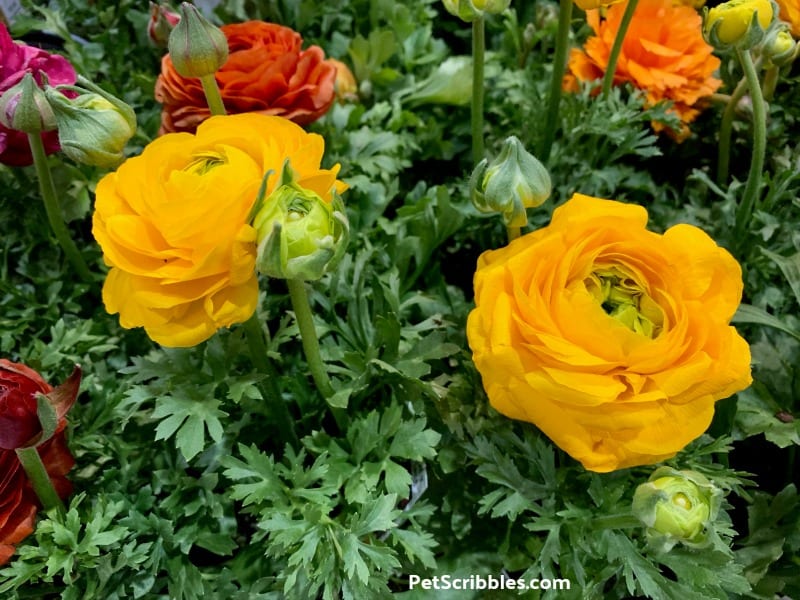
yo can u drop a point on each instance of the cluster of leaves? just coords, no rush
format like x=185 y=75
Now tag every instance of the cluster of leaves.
x=188 y=487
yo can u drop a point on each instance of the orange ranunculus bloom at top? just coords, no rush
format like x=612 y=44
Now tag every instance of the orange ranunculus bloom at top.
x=664 y=54
x=612 y=339
x=790 y=12
x=266 y=72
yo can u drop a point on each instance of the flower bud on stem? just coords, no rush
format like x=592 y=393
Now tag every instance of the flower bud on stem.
x=40 y=481
x=199 y=49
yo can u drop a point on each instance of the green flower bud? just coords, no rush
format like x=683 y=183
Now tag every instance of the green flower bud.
x=468 y=10
x=197 y=48
x=738 y=23
x=24 y=107
x=779 y=47
x=677 y=506
x=299 y=235
x=511 y=183
x=94 y=127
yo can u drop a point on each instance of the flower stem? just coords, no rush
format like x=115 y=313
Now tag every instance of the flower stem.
x=559 y=66
x=40 y=480
x=48 y=191
x=308 y=335
x=613 y=57
x=770 y=82
x=305 y=321
x=513 y=233
x=213 y=97
x=745 y=208
x=725 y=129
x=258 y=354
x=478 y=51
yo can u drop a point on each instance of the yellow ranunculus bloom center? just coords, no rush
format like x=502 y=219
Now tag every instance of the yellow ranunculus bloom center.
x=202 y=162
x=622 y=298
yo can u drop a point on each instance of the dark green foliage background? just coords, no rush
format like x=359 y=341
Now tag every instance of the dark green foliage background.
x=183 y=487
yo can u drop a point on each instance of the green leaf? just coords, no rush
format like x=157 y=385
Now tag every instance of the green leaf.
x=188 y=413
x=747 y=313
x=790 y=267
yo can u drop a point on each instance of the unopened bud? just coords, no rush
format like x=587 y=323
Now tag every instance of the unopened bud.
x=779 y=47
x=197 y=48
x=94 y=127
x=345 y=85
x=510 y=184
x=24 y=107
x=299 y=235
x=162 y=21
x=677 y=506
x=737 y=23
x=469 y=10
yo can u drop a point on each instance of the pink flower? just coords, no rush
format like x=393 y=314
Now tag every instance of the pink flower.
x=16 y=59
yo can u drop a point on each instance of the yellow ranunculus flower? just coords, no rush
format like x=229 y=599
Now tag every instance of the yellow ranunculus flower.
x=173 y=223
x=731 y=23
x=612 y=339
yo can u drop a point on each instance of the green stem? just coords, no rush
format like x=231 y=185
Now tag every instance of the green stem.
x=478 y=51
x=611 y=67
x=559 y=66
x=745 y=209
x=725 y=129
x=770 y=82
x=213 y=97
x=258 y=354
x=40 y=480
x=48 y=191
x=308 y=335
x=513 y=233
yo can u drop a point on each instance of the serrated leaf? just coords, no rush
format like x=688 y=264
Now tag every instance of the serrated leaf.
x=398 y=480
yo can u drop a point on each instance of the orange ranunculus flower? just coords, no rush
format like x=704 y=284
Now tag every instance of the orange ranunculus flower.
x=173 y=223
x=790 y=12
x=266 y=72
x=593 y=4
x=610 y=338
x=664 y=54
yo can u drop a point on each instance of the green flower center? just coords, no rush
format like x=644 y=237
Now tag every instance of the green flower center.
x=623 y=299
x=681 y=500
x=203 y=162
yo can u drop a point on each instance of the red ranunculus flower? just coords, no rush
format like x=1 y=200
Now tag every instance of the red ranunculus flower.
x=266 y=72
x=19 y=428
x=16 y=59
x=18 y=501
